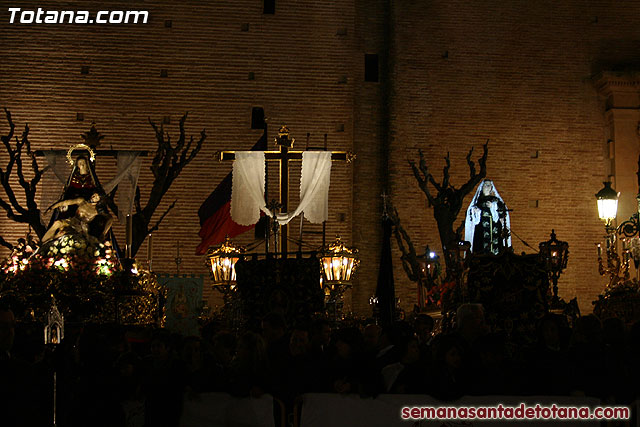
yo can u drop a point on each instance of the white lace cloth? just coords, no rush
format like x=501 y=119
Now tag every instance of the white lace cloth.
x=314 y=188
x=54 y=176
x=247 y=188
x=127 y=180
x=247 y=194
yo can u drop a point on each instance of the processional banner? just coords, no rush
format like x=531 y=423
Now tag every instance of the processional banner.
x=183 y=303
x=289 y=286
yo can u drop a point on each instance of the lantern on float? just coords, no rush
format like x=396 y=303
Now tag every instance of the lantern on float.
x=339 y=263
x=222 y=261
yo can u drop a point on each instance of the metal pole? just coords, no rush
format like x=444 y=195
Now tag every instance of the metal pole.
x=129 y=236
x=302 y=216
x=284 y=196
x=149 y=251
x=324 y=223
x=55 y=397
x=267 y=231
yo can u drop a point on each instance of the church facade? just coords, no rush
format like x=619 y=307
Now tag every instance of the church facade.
x=552 y=86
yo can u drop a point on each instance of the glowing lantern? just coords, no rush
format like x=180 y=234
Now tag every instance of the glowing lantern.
x=223 y=260
x=339 y=263
x=607 y=199
x=429 y=264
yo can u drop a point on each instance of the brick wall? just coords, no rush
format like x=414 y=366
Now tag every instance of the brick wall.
x=453 y=74
x=307 y=84
x=517 y=73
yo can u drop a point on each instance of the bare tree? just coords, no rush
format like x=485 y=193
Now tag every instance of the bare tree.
x=409 y=256
x=168 y=162
x=446 y=204
x=29 y=213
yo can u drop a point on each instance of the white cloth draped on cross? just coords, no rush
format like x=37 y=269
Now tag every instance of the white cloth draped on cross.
x=247 y=194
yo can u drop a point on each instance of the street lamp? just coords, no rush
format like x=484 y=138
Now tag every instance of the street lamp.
x=428 y=264
x=607 y=199
x=429 y=268
x=458 y=256
x=615 y=267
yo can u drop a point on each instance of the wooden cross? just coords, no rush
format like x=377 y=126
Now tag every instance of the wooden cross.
x=283 y=156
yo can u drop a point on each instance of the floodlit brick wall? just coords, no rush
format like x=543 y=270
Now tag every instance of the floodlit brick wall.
x=519 y=74
x=458 y=72
x=221 y=59
x=369 y=142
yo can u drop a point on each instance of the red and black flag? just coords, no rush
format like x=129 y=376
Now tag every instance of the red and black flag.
x=215 y=212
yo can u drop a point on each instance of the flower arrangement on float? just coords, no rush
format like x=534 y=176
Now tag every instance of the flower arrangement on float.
x=93 y=287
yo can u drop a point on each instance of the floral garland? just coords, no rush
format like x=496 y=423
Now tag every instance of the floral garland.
x=95 y=289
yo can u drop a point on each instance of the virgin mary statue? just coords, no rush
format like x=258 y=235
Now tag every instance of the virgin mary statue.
x=487 y=223
x=81 y=221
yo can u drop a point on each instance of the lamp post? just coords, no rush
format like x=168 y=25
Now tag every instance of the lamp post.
x=221 y=261
x=607 y=199
x=554 y=254
x=339 y=264
x=53 y=335
x=631 y=242
x=429 y=269
x=458 y=256
x=616 y=268
x=222 y=264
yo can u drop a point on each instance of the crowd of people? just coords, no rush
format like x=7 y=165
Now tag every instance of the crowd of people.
x=106 y=375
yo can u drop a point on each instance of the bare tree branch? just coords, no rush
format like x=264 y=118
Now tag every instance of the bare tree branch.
x=446 y=203
x=136 y=201
x=155 y=227
x=167 y=164
x=15 y=211
x=445 y=172
x=422 y=175
x=111 y=197
x=409 y=257
x=475 y=178
x=6 y=244
x=6 y=140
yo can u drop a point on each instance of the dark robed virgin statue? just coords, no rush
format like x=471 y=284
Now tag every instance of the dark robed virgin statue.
x=487 y=224
x=82 y=183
